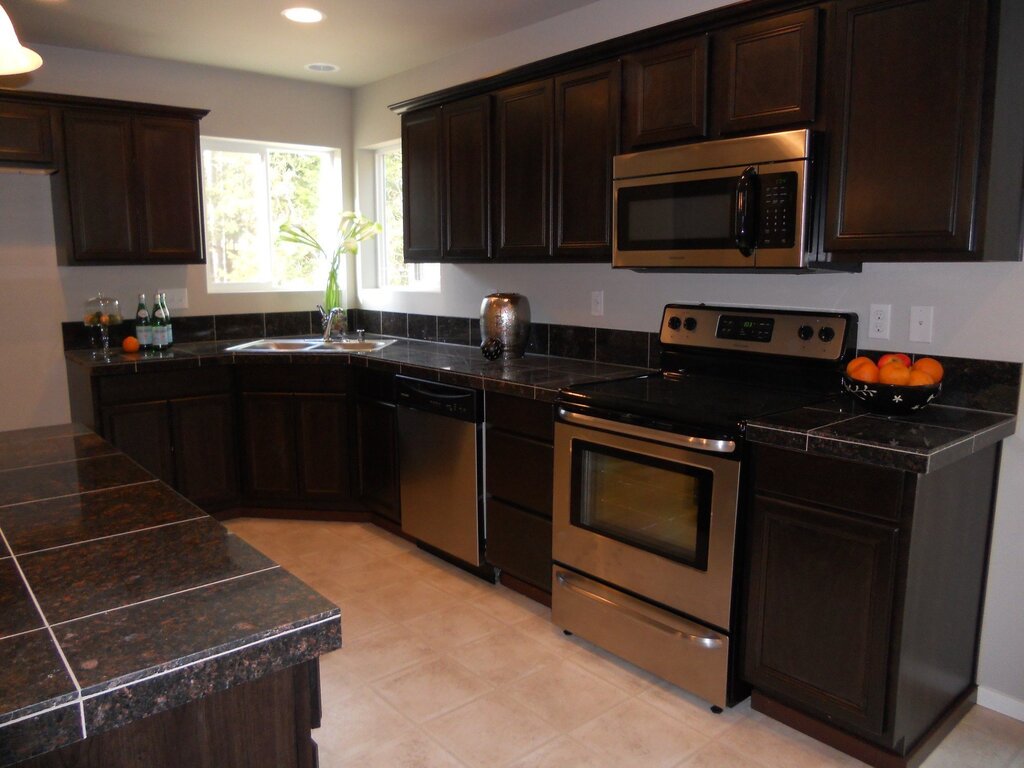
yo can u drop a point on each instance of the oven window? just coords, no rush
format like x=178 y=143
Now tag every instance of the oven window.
x=681 y=215
x=660 y=506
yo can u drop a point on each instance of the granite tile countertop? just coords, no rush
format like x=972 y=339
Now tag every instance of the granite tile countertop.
x=120 y=599
x=922 y=442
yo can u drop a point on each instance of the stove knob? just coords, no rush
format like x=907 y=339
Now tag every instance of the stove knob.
x=674 y=322
x=826 y=333
x=805 y=332
x=690 y=323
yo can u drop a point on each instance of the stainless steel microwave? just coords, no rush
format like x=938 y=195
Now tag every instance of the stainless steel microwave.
x=731 y=203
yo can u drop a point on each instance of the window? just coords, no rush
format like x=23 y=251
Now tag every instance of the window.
x=392 y=270
x=250 y=189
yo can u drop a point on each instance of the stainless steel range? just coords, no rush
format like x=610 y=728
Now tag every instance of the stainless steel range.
x=649 y=484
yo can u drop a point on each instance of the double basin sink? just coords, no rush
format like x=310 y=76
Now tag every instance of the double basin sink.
x=298 y=346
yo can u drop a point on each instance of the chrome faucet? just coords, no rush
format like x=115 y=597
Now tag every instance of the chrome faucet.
x=327 y=320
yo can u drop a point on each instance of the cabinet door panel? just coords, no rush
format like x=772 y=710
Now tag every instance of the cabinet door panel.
x=665 y=93
x=586 y=137
x=100 y=185
x=377 y=430
x=819 y=617
x=520 y=470
x=767 y=72
x=523 y=176
x=26 y=135
x=141 y=431
x=421 y=184
x=519 y=543
x=167 y=163
x=204 y=448
x=322 y=427
x=467 y=148
x=904 y=160
x=268 y=432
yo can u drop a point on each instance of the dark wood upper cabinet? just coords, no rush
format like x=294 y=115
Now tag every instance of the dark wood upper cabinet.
x=522 y=176
x=586 y=139
x=421 y=185
x=466 y=141
x=26 y=134
x=664 y=97
x=766 y=73
x=906 y=136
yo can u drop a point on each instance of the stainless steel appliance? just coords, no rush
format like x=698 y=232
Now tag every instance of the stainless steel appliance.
x=732 y=203
x=649 y=484
x=439 y=449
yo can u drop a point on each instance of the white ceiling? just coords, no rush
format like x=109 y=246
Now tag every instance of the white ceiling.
x=368 y=39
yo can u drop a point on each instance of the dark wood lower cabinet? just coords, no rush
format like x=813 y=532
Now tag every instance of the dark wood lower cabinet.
x=864 y=597
x=323 y=436
x=268 y=432
x=142 y=431
x=377 y=430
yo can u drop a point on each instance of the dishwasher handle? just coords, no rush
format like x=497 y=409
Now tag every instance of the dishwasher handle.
x=442 y=399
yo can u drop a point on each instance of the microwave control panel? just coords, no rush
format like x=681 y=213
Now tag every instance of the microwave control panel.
x=777 y=210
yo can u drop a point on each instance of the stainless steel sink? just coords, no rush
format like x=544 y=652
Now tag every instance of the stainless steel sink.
x=312 y=345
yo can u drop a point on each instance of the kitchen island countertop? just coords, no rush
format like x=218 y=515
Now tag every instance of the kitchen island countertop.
x=121 y=599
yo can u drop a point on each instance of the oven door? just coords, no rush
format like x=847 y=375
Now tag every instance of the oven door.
x=652 y=518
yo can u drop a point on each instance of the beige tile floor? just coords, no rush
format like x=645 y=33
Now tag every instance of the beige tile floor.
x=439 y=669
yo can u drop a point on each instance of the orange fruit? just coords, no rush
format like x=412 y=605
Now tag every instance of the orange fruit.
x=856 y=363
x=920 y=379
x=894 y=372
x=931 y=366
x=130 y=344
x=886 y=359
x=867 y=373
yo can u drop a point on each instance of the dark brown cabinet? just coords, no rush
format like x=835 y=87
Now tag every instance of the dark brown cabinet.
x=766 y=73
x=421 y=185
x=377 y=444
x=26 y=135
x=906 y=134
x=466 y=151
x=180 y=427
x=132 y=187
x=863 y=595
x=664 y=93
x=524 y=117
x=296 y=428
x=519 y=486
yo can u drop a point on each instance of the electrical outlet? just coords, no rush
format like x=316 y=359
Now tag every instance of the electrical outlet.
x=921 y=320
x=177 y=298
x=597 y=303
x=878 y=322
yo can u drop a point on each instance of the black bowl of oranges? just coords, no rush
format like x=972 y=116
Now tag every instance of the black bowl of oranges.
x=894 y=385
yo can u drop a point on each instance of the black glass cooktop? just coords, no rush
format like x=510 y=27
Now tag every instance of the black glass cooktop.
x=698 y=405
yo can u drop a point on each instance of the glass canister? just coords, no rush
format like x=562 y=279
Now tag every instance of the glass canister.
x=101 y=312
x=505 y=325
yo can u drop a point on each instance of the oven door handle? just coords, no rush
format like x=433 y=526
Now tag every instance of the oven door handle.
x=695 y=635
x=645 y=433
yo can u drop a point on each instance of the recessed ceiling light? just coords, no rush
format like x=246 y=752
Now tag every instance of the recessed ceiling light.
x=303 y=15
x=322 y=67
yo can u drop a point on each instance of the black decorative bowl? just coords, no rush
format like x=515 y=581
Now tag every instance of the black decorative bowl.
x=891 y=399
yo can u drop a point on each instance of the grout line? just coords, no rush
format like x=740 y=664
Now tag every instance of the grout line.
x=30 y=715
x=114 y=535
x=113 y=451
x=53 y=637
x=169 y=594
x=23 y=632
x=76 y=493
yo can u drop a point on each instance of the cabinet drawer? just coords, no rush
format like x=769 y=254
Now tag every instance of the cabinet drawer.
x=294 y=377
x=522 y=416
x=519 y=543
x=834 y=483
x=166 y=385
x=519 y=470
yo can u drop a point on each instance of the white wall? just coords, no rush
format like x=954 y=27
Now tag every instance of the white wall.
x=32 y=286
x=978 y=307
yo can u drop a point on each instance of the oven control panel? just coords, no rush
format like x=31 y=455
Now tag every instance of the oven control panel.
x=793 y=333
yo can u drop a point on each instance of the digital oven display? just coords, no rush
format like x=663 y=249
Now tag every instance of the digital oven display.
x=745 y=328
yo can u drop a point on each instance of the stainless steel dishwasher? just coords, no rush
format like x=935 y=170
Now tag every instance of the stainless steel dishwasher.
x=440 y=459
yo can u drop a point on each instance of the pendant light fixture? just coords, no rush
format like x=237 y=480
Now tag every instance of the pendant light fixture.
x=14 y=57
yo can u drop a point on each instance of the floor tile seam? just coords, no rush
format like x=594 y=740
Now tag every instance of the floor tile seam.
x=439 y=713
x=53 y=636
x=195 y=662
x=201 y=516
x=76 y=493
x=167 y=595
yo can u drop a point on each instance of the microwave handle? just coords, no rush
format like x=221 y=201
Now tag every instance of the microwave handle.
x=746 y=211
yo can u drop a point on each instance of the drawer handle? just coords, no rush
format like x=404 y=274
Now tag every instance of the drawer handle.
x=697 y=637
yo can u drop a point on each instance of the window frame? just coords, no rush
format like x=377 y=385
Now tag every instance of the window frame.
x=319 y=278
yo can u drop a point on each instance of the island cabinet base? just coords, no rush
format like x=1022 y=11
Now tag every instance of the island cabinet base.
x=264 y=723
x=859 y=748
